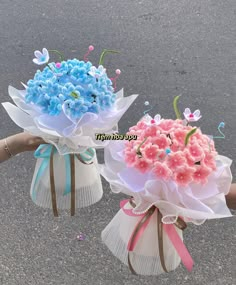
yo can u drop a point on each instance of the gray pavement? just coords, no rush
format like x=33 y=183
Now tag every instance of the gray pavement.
x=167 y=48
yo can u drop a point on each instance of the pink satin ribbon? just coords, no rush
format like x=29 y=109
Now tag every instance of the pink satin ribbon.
x=170 y=231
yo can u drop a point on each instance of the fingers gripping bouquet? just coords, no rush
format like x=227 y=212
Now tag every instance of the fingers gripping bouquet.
x=66 y=104
x=174 y=176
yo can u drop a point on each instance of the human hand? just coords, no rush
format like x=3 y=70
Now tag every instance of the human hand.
x=18 y=143
x=23 y=142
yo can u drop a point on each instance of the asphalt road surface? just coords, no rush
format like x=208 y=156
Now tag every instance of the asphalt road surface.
x=168 y=47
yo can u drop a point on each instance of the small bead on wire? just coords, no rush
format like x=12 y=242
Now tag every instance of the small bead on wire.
x=118 y=72
x=90 y=48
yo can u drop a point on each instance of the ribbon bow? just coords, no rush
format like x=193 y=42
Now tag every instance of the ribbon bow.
x=46 y=152
x=168 y=228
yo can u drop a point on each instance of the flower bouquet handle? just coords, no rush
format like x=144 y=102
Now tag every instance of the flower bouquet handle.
x=169 y=230
x=46 y=154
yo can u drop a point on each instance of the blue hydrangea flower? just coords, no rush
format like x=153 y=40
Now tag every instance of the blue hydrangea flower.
x=74 y=84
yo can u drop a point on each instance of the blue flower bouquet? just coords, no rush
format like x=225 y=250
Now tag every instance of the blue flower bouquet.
x=67 y=104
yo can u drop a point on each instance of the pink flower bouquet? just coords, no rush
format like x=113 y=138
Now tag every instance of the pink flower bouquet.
x=174 y=176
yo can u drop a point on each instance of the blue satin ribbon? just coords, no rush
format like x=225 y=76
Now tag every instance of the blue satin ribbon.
x=44 y=152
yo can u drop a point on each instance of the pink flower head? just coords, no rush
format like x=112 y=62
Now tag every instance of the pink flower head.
x=179 y=135
x=162 y=150
x=176 y=159
x=161 y=170
x=199 y=134
x=189 y=158
x=130 y=144
x=196 y=151
x=166 y=125
x=130 y=157
x=150 y=151
x=161 y=154
x=201 y=174
x=142 y=165
x=162 y=141
x=178 y=123
x=175 y=145
x=141 y=125
x=208 y=143
x=133 y=129
x=209 y=160
x=151 y=131
x=192 y=117
x=184 y=175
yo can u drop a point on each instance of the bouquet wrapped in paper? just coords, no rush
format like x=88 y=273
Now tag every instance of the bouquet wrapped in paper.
x=173 y=176
x=67 y=104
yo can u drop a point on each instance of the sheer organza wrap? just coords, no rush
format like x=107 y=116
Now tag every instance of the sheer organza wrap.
x=67 y=135
x=195 y=202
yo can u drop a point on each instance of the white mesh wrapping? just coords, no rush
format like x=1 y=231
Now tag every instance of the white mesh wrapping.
x=88 y=184
x=145 y=258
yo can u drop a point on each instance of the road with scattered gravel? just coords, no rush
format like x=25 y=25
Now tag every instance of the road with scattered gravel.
x=166 y=48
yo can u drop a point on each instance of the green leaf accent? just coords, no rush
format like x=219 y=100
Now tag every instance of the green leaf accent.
x=189 y=134
x=74 y=94
x=177 y=112
x=105 y=51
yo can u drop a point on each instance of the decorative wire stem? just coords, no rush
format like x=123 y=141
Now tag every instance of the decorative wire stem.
x=221 y=125
x=148 y=110
x=138 y=149
x=86 y=56
x=209 y=145
x=50 y=67
x=101 y=60
x=57 y=52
